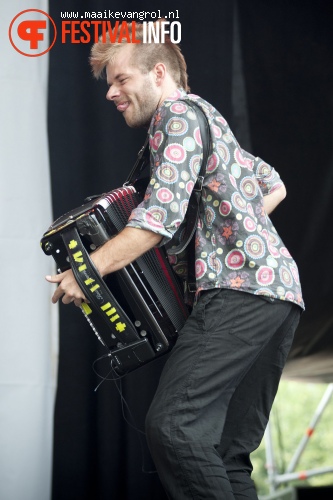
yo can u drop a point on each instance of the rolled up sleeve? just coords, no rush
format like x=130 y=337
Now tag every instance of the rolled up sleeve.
x=268 y=178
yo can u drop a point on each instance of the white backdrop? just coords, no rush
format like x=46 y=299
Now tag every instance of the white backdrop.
x=28 y=347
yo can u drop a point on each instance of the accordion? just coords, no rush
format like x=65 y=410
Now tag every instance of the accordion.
x=135 y=312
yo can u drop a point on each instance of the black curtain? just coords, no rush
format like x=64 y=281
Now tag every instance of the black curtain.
x=287 y=52
x=286 y=48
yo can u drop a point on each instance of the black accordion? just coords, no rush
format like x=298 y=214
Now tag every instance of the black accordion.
x=136 y=312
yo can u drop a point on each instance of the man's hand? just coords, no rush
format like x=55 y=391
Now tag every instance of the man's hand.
x=68 y=288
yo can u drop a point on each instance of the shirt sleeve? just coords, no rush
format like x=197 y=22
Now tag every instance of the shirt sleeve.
x=268 y=178
x=175 y=156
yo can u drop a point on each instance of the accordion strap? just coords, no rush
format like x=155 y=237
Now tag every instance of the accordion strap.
x=192 y=213
x=140 y=164
x=95 y=289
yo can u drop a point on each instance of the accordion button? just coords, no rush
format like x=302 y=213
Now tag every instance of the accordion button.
x=48 y=247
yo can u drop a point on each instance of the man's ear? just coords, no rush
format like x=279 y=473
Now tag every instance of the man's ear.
x=159 y=73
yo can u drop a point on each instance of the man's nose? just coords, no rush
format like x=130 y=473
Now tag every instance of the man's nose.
x=112 y=93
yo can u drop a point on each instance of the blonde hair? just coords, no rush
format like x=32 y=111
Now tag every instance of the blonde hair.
x=145 y=55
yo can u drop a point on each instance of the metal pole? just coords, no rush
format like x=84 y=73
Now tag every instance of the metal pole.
x=302 y=475
x=270 y=459
x=310 y=430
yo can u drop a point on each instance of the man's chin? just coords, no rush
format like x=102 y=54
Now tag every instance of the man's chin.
x=136 y=123
x=129 y=120
x=131 y=125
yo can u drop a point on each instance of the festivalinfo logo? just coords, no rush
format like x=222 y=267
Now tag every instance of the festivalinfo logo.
x=33 y=32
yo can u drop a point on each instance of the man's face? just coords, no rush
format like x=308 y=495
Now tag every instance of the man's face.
x=134 y=93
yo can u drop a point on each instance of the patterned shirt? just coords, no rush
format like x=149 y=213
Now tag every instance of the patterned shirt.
x=237 y=246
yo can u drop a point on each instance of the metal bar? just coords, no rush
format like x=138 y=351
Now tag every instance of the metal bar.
x=301 y=475
x=270 y=459
x=310 y=430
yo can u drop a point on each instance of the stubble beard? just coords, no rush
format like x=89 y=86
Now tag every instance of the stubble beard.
x=146 y=106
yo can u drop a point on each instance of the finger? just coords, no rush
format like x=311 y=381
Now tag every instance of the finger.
x=68 y=299
x=54 y=279
x=77 y=298
x=57 y=295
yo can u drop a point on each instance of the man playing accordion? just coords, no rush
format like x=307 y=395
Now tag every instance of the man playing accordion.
x=218 y=385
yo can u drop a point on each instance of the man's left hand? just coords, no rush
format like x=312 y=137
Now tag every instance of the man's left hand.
x=68 y=288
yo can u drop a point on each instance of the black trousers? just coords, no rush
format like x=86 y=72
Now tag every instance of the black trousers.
x=215 y=394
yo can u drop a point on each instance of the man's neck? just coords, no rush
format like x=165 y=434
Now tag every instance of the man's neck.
x=169 y=87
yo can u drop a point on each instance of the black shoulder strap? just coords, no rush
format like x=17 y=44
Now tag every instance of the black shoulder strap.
x=139 y=165
x=192 y=213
